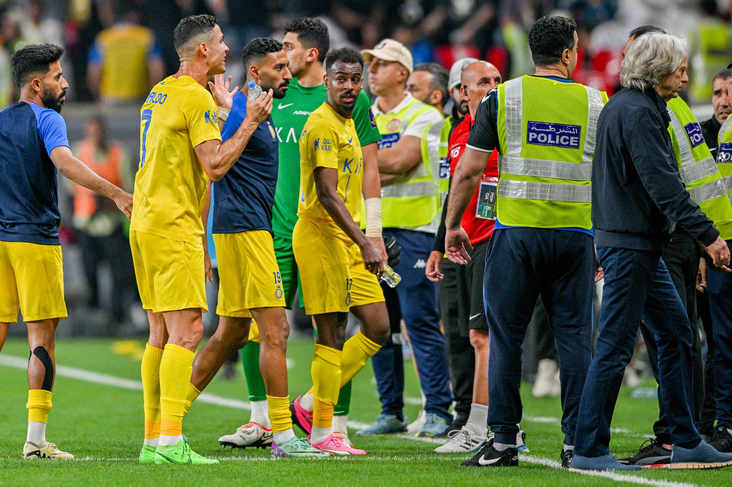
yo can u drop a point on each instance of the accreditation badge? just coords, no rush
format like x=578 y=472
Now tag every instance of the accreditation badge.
x=485 y=207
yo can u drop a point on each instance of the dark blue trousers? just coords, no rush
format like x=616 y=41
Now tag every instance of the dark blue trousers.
x=523 y=263
x=417 y=299
x=719 y=291
x=637 y=284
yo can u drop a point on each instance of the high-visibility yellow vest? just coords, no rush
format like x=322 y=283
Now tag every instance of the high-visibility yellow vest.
x=435 y=141
x=411 y=202
x=711 y=51
x=724 y=157
x=698 y=171
x=546 y=132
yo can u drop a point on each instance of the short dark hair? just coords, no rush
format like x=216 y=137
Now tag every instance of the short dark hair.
x=645 y=29
x=549 y=37
x=258 y=48
x=440 y=77
x=34 y=59
x=345 y=54
x=311 y=32
x=191 y=26
x=725 y=73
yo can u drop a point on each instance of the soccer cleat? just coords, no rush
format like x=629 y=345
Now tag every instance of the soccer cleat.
x=488 y=456
x=251 y=434
x=722 y=440
x=462 y=441
x=701 y=456
x=180 y=453
x=434 y=427
x=50 y=450
x=603 y=463
x=336 y=446
x=521 y=441
x=566 y=456
x=385 y=424
x=651 y=452
x=147 y=455
x=301 y=417
x=297 y=448
x=343 y=436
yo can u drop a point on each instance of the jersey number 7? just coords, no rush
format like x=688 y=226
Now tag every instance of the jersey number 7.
x=146 y=119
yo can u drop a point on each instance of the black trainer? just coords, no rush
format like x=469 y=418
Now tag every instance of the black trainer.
x=566 y=456
x=722 y=440
x=488 y=456
x=651 y=452
x=457 y=424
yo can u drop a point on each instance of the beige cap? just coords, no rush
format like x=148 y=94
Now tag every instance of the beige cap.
x=390 y=50
x=456 y=71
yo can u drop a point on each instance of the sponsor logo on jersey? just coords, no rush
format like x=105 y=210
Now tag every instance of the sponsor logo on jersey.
x=281 y=106
x=323 y=144
x=553 y=134
x=694 y=131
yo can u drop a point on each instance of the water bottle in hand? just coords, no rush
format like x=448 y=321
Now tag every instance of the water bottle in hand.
x=389 y=276
x=254 y=90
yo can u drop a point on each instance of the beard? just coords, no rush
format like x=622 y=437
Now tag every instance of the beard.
x=53 y=102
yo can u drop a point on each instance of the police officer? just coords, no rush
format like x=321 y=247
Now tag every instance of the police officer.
x=544 y=128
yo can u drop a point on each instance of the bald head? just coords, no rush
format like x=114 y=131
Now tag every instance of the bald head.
x=478 y=79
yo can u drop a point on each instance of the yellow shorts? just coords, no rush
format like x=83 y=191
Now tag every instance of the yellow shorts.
x=249 y=276
x=170 y=273
x=31 y=281
x=332 y=273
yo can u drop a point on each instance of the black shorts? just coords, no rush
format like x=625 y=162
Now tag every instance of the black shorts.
x=470 y=286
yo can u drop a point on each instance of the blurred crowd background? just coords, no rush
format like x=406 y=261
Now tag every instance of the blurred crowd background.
x=117 y=49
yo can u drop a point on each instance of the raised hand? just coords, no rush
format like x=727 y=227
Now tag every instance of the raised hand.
x=222 y=92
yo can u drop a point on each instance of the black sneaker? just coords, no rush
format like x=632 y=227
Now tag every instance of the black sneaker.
x=651 y=452
x=457 y=424
x=488 y=456
x=722 y=440
x=566 y=456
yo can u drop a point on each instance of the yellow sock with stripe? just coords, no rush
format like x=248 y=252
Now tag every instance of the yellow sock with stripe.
x=356 y=352
x=281 y=418
x=175 y=375
x=150 y=371
x=326 y=374
x=39 y=404
x=191 y=395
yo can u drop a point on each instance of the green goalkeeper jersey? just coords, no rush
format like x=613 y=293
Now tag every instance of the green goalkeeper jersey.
x=289 y=115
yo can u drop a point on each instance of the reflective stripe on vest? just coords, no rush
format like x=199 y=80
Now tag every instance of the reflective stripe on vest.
x=435 y=139
x=523 y=189
x=697 y=168
x=413 y=203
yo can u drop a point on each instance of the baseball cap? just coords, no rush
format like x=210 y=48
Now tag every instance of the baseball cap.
x=390 y=50
x=456 y=71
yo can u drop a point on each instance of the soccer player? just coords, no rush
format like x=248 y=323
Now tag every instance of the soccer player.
x=250 y=280
x=306 y=43
x=33 y=146
x=180 y=148
x=338 y=263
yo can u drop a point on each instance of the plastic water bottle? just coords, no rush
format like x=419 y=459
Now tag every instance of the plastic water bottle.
x=254 y=90
x=390 y=277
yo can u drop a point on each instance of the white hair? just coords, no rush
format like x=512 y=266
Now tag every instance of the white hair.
x=651 y=58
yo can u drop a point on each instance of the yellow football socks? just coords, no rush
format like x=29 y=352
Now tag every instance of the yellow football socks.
x=175 y=375
x=150 y=370
x=356 y=352
x=39 y=404
x=326 y=374
x=191 y=394
x=279 y=413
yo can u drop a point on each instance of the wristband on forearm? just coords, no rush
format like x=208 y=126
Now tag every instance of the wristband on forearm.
x=373 y=217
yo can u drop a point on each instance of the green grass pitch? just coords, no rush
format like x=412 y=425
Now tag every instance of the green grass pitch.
x=102 y=426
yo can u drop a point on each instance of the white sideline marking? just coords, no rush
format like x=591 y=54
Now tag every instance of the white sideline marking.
x=97 y=378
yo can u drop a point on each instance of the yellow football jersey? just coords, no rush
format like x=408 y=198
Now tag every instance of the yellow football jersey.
x=329 y=140
x=177 y=115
